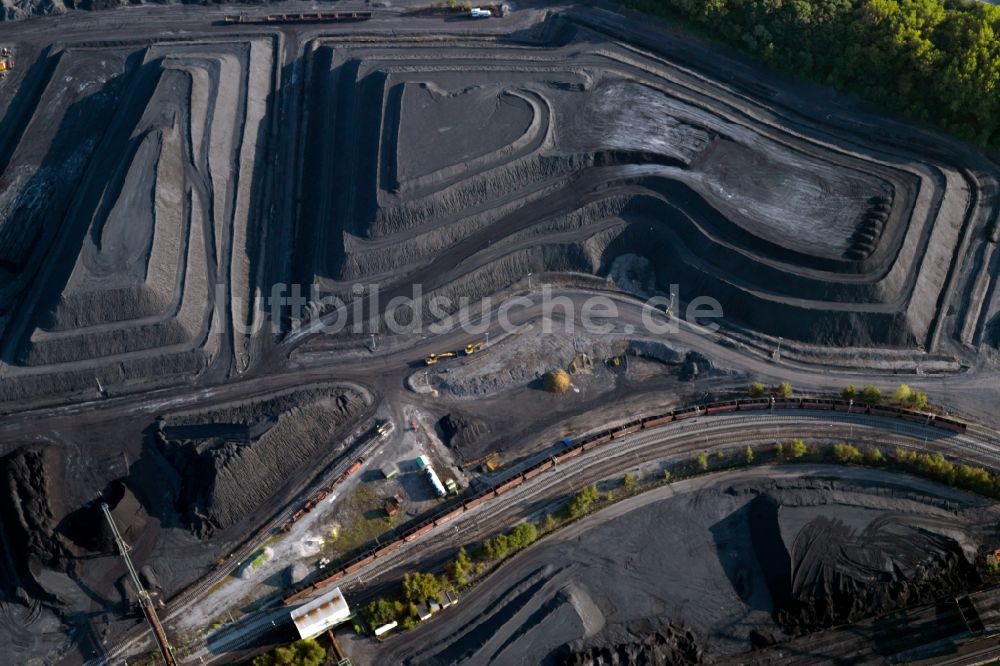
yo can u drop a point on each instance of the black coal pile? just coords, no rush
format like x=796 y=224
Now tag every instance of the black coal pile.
x=88 y=528
x=30 y=500
x=229 y=469
x=460 y=431
x=668 y=646
x=841 y=576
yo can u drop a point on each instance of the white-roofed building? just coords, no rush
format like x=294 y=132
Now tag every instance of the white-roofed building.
x=320 y=614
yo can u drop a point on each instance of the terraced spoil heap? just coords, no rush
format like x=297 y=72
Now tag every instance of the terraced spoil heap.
x=147 y=208
x=464 y=169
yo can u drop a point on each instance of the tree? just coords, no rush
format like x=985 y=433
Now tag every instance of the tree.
x=919 y=400
x=849 y=392
x=875 y=456
x=461 y=567
x=306 y=652
x=666 y=476
x=797 y=448
x=498 y=547
x=523 y=536
x=871 y=395
x=629 y=481
x=903 y=393
x=378 y=612
x=748 y=454
x=779 y=450
x=703 y=461
x=757 y=390
x=419 y=587
x=931 y=60
x=784 y=390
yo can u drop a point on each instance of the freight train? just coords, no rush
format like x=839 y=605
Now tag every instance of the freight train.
x=302 y=17
x=574 y=448
x=323 y=493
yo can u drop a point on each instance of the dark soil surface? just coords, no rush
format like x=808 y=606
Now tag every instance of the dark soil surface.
x=700 y=574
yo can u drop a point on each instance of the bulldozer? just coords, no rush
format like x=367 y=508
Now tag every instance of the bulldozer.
x=434 y=358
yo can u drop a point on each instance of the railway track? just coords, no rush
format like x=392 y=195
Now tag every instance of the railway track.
x=682 y=440
x=673 y=440
x=180 y=602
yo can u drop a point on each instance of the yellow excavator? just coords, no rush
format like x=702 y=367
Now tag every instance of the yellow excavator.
x=473 y=348
x=6 y=62
x=434 y=358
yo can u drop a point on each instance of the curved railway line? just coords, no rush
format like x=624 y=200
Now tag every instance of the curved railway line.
x=914 y=426
x=679 y=434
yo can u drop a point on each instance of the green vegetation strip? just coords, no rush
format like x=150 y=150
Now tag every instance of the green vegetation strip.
x=933 y=61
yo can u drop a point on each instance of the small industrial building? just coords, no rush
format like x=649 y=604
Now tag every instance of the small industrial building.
x=321 y=614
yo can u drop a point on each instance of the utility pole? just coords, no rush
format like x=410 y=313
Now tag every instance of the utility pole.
x=148 y=609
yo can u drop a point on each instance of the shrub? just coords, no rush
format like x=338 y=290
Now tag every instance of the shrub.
x=582 y=501
x=875 y=456
x=703 y=461
x=461 y=567
x=847 y=454
x=849 y=392
x=748 y=454
x=549 y=523
x=757 y=390
x=784 y=390
x=797 y=448
x=903 y=393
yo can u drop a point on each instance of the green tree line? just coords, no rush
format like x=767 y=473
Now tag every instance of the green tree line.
x=933 y=61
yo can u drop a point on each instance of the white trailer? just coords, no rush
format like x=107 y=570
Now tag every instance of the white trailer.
x=476 y=12
x=435 y=481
